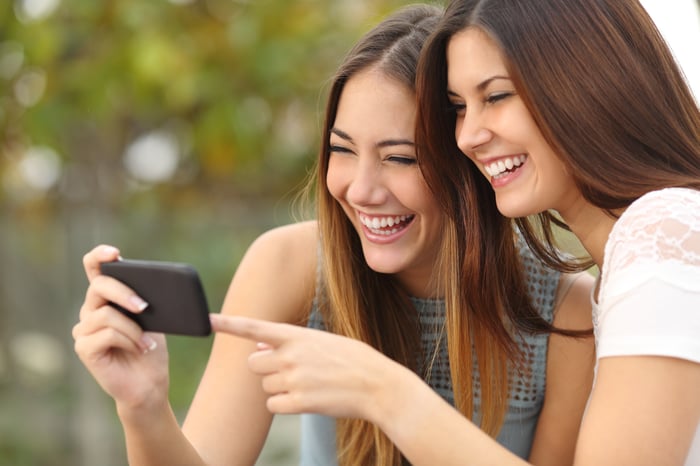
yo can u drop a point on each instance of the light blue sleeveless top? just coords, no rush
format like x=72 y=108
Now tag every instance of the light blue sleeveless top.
x=526 y=395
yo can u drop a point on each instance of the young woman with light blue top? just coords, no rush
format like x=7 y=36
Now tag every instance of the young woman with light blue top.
x=526 y=396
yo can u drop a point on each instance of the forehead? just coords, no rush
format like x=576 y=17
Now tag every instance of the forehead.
x=472 y=55
x=371 y=100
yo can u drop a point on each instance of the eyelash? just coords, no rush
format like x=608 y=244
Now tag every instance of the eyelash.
x=339 y=149
x=402 y=160
x=491 y=99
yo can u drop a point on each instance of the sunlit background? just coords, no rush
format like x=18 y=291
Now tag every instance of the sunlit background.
x=177 y=130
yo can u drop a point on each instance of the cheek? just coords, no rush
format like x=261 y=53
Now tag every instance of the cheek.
x=419 y=196
x=557 y=169
x=513 y=120
x=336 y=178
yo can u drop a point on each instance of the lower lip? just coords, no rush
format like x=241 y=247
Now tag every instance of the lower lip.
x=506 y=178
x=385 y=239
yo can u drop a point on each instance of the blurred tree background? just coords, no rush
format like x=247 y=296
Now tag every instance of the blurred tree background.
x=178 y=130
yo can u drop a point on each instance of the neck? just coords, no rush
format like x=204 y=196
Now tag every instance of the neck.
x=419 y=284
x=592 y=227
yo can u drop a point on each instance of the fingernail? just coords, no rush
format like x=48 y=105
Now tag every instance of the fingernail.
x=138 y=302
x=262 y=346
x=109 y=250
x=148 y=343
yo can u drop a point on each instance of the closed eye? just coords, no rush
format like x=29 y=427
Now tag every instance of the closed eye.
x=401 y=159
x=497 y=96
x=339 y=150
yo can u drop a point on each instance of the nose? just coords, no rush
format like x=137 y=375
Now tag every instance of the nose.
x=471 y=133
x=366 y=186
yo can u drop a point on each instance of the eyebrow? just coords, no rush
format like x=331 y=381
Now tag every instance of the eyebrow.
x=385 y=143
x=483 y=84
x=342 y=134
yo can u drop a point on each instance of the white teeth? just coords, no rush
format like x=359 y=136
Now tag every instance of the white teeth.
x=500 y=166
x=377 y=223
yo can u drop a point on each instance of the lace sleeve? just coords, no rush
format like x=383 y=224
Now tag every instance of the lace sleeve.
x=649 y=299
x=657 y=233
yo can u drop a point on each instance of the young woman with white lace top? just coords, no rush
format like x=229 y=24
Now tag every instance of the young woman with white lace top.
x=575 y=110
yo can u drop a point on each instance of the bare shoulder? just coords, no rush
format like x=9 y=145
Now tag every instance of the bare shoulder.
x=573 y=301
x=277 y=275
x=290 y=244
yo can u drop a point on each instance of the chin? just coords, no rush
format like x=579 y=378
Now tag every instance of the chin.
x=383 y=265
x=383 y=268
x=514 y=209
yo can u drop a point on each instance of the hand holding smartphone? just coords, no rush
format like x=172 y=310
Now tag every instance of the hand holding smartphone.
x=176 y=300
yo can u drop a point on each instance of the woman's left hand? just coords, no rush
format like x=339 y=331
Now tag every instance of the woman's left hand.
x=312 y=371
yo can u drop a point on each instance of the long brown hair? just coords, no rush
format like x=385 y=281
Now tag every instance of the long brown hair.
x=356 y=301
x=602 y=86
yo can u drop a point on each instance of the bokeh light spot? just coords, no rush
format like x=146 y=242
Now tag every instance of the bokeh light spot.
x=41 y=167
x=11 y=58
x=28 y=11
x=153 y=157
x=30 y=87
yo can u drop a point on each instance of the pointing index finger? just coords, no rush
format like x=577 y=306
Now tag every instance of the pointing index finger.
x=272 y=333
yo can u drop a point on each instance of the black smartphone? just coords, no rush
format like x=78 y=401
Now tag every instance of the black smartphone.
x=176 y=300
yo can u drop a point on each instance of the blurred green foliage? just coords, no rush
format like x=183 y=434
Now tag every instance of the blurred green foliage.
x=238 y=82
x=237 y=86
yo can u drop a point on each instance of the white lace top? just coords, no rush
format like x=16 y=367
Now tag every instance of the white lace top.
x=649 y=297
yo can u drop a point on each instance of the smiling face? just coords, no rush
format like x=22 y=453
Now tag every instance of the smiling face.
x=497 y=132
x=374 y=175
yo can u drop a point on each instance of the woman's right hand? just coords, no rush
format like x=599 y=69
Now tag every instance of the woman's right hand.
x=129 y=364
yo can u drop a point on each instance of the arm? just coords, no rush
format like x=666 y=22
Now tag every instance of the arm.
x=643 y=410
x=275 y=281
x=570 y=363
x=229 y=400
x=306 y=370
x=645 y=405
